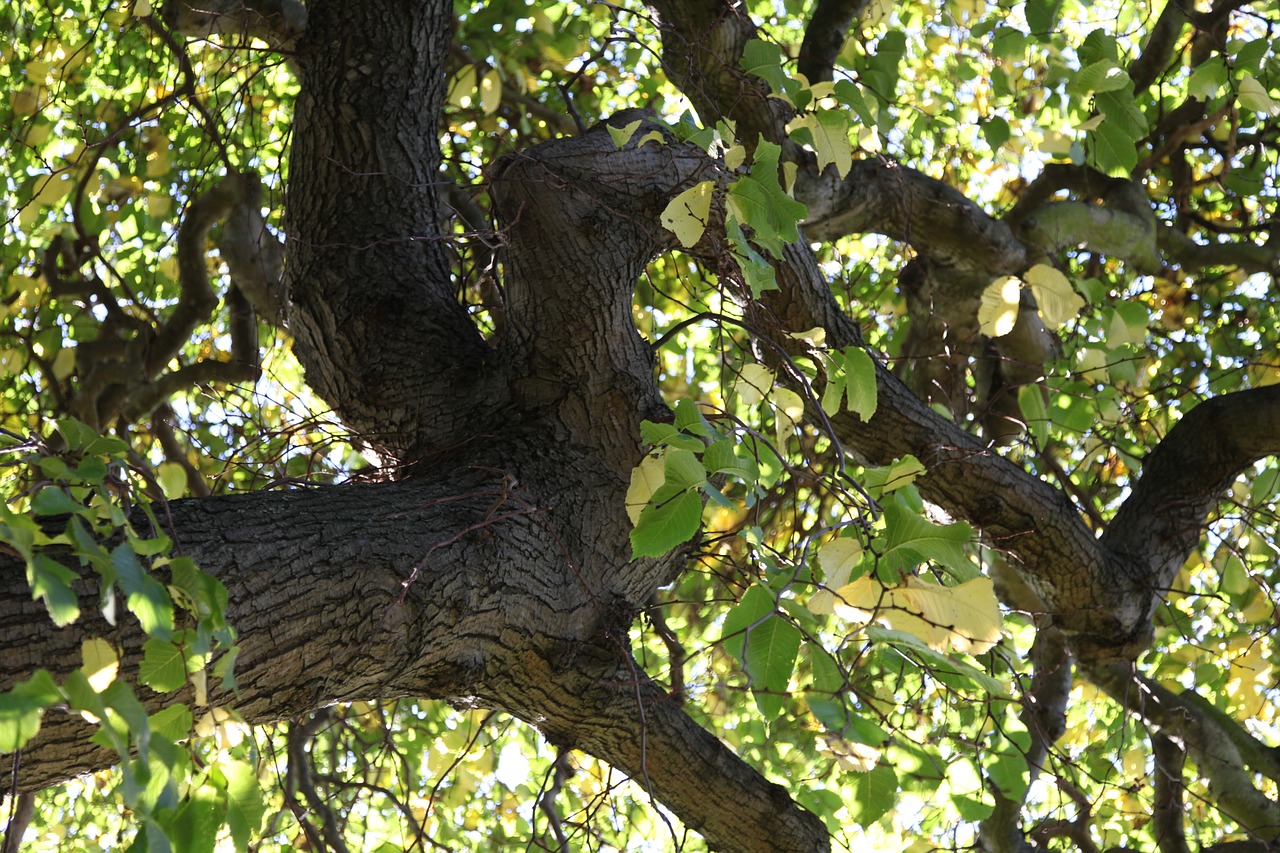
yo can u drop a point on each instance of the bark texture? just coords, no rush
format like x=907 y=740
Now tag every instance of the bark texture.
x=496 y=570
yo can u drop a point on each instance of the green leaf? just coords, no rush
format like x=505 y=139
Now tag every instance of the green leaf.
x=1114 y=149
x=55 y=501
x=146 y=597
x=948 y=668
x=77 y=434
x=689 y=418
x=872 y=794
x=764 y=60
x=51 y=582
x=21 y=708
x=771 y=652
x=119 y=697
x=195 y=827
x=1207 y=80
x=909 y=538
x=172 y=723
x=245 y=802
x=671 y=518
x=163 y=667
x=756 y=604
x=1034 y=413
x=860 y=388
x=722 y=458
x=1010 y=774
x=683 y=470
x=759 y=201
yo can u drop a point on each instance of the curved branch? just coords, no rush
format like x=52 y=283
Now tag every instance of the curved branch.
x=1185 y=476
x=608 y=707
x=1168 y=805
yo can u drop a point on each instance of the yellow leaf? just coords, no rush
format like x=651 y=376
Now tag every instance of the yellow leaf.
x=1253 y=96
x=753 y=383
x=101 y=663
x=964 y=618
x=858 y=757
x=999 y=309
x=646 y=478
x=734 y=157
x=789 y=408
x=902 y=473
x=1053 y=292
x=830 y=133
x=141 y=8
x=64 y=363
x=838 y=559
x=622 y=135
x=173 y=480
x=462 y=91
x=968 y=615
x=686 y=215
x=24 y=102
x=491 y=92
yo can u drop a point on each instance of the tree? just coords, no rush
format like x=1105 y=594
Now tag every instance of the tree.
x=685 y=380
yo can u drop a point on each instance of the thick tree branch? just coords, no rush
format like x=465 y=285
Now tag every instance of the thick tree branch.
x=610 y=708
x=1185 y=476
x=824 y=36
x=277 y=22
x=581 y=219
x=374 y=312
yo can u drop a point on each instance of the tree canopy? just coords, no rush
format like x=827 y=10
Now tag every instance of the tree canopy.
x=752 y=426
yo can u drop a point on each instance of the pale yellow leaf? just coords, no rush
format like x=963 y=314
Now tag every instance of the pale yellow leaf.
x=1056 y=142
x=622 y=135
x=686 y=215
x=858 y=601
x=1058 y=301
x=817 y=336
x=830 y=134
x=789 y=408
x=999 y=308
x=646 y=478
x=902 y=473
x=964 y=618
x=462 y=91
x=968 y=614
x=838 y=559
x=754 y=382
x=491 y=92
x=858 y=757
x=173 y=480
x=64 y=363
x=1253 y=96
x=1091 y=124
x=735 y=156
x=101 y=663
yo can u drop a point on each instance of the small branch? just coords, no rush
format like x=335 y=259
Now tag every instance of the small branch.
x=299 y=779
x=1222 y=767
x=1166 y=813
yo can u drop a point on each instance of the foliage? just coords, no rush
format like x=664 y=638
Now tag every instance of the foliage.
x=839 y=631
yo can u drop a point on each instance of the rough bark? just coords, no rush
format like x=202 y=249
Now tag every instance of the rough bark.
x=497 y=571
